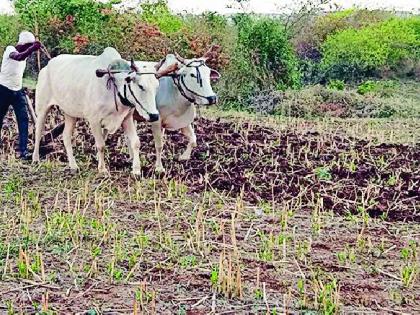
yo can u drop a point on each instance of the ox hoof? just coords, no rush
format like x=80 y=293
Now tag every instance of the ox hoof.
x=103 y=171
x=160 y=169
x=73 y=169
x=184 y=157
x=136 y=173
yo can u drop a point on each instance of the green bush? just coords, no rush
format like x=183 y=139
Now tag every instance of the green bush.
x=238 y=80
x=159 y=14
x=260 y=69
x=263 y=58
x=268 y=47
x=67 y=26
x=9 y=31
x=309 y=38
x=319 y=101
x=338 y=85
x=367 y=87
x=88 y=15
x=357 y=53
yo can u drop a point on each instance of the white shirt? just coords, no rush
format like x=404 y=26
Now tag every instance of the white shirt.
x=11 y=73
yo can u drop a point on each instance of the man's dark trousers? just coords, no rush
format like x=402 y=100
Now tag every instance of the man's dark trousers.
x=18 y=101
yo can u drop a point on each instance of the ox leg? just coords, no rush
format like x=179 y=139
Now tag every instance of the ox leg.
x=69 y=123
x=130 y=151
x=158 y=137
x=133 y=143
x=39 y=129
x=100 y=146
x=192 y=142
x=105 y=134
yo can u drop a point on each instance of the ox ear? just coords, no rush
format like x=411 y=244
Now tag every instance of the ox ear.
x=214 y=75
x=133 y=65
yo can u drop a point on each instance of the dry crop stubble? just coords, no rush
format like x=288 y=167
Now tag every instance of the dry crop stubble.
x=268 y=216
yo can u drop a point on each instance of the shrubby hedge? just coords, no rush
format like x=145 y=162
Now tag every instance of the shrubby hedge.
x=262 y=58
x=259 y=54
x=358 y=53
x=309 y=38
x=320 y=101
x=9 y=30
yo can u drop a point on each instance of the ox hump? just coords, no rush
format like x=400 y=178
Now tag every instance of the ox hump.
x=110 y=54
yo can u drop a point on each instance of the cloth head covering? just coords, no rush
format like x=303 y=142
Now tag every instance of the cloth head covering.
x=26 y=38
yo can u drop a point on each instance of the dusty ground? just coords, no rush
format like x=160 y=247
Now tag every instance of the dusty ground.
x=268 y=216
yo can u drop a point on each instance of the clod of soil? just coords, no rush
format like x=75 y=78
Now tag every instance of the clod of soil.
x=266 y=165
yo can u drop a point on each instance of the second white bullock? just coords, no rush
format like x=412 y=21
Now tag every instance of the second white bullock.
x=104 y=90
x=177 y=96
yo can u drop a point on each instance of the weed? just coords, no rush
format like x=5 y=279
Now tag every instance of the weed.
x=392 y=181
x=327 y=296
x=363 y=214
x=301 y=287
x=347 y=256
x=323 y=173
x=410 y=269
x=214 y=276
x=142 y=240
x=115 y=273
x=410 y=251
x=188 y=261
x=258 y=294
x=303 y=249
x=267 y=246
x=12 y=186
x=409 y=273
x=146 y=298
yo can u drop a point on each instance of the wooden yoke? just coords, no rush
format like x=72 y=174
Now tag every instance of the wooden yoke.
x=160 y=74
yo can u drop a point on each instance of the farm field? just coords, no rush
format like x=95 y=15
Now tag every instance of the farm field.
x=301 y=197
x=270 y=216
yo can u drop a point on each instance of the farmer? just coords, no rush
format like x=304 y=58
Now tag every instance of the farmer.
x=11 y=92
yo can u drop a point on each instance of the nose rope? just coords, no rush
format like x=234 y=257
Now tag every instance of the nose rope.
x=179 y=82
x=124 y=100
x=199 y=78
x=138 y=102
x=110 y=83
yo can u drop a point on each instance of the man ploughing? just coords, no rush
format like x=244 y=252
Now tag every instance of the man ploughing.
x=11 y=91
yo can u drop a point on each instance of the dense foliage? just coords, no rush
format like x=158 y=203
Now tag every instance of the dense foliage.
x=259 y=54
x=357 y=53
x=262 y=58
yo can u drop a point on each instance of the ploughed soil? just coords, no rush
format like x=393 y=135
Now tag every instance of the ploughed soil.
x=266 y=165
x=282 y=213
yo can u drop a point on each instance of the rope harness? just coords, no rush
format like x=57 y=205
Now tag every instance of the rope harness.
x=123 y=98
x=179 y=81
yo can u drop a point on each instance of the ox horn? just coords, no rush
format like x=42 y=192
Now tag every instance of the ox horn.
x=133 y=65
x=179 y=58
x=172 y=68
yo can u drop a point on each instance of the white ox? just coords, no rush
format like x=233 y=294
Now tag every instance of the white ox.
x=85 y=87
x=177 y=96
